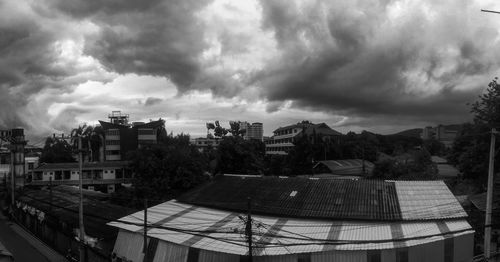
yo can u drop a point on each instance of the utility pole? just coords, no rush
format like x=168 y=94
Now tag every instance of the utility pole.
x=80 y=209
x=15 y=137
x=50 y=192
x=489 y=198
x=145 y=245
x=363 y=159
x=248 y=230
x=12 y=176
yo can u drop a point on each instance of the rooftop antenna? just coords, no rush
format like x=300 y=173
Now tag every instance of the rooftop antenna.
x=490 y=11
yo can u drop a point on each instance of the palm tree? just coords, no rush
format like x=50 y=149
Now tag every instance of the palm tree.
x=84 y=131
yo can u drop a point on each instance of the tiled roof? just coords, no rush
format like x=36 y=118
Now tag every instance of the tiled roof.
x=223 y=231
x=86 y=165
x=372 y=200
x=301 y=197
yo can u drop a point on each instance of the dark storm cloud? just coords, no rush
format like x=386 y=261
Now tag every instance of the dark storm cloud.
x=355 y=59
x=159 y=38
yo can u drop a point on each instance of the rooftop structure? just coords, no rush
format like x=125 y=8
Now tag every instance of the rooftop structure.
x=120 y=137
x=300 y=219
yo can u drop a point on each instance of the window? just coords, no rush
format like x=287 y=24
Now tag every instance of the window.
x=112 y=142
x=112 y=152
x=145 y=131
x=112 y=132
x=66 y=174
x=31 y=166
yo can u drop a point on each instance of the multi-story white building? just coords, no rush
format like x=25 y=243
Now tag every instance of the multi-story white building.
x=284 y=137
x=94 y=174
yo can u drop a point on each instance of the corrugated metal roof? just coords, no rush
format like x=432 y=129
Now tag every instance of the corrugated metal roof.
x=348 y=166
x=86 y=165
x=329 y=198
x=223 y=231
x=314 y=198
x=425 y=200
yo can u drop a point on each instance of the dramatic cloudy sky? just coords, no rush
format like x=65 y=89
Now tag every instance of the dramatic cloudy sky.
x=381 y=65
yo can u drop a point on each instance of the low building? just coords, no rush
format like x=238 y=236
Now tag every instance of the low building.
x=204 y=143
x=96 y=175
x=284 y=137
x=348 y=168
x=300 y=219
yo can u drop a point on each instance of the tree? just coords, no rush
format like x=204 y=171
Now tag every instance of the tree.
x=238 y=156
x=56 y=150
x=487 y=109
x=165 y=170
x=471 y=147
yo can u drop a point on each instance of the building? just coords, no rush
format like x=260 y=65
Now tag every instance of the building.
x=346 y=168
x=252 y=131
x=31 y=161
x=103 y=176
x=283 y=138
x=204 y=143
x=302 y=219
x=444 y=134
x=121 y=137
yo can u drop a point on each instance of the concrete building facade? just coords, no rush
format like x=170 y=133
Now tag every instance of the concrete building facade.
x=121 y=137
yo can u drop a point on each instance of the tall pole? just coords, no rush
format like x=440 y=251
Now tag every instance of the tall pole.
x=80 y=209
x=50 y=192
x=145 y=245
x=248 y=230
x=363 y=160
x=12 y=176
x=489 y=198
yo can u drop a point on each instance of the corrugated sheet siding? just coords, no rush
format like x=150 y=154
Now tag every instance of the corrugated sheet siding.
x=170 y=252
x=129 y=245
x=344 y=256
x=211 y=256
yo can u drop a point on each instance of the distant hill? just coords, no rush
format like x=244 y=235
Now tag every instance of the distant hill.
x=415 y=132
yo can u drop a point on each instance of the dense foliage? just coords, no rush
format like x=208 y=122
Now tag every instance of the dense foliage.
x=471 y=148
x=56 y=150
x=165 y=170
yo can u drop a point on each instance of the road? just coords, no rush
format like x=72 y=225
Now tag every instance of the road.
x=20 y=248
